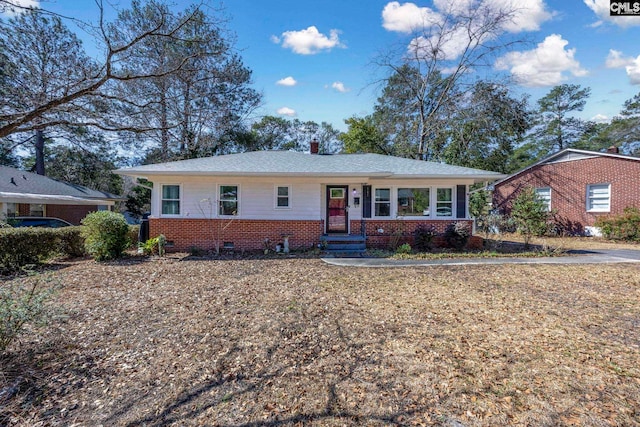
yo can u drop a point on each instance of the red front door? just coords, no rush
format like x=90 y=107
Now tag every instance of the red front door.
x=337 y=209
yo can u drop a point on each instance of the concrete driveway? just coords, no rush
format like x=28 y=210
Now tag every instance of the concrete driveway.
x=603 y=256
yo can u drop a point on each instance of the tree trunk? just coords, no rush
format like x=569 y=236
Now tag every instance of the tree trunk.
x=39 y=146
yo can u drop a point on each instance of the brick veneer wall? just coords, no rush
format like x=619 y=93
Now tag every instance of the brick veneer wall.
x=70 y=213
x=244 y=234
x=568 y=182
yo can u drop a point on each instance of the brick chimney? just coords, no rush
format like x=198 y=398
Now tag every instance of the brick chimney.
x=613 y=150
x=314 y=146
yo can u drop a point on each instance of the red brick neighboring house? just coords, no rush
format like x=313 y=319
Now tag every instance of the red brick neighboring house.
x=27 y=194
x=577 y=185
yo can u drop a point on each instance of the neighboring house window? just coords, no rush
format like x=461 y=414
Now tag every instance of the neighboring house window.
x=228 y=200
x=598 y=197
x=12 y=210
x=383 y=202
x=282 y=197
x=170 y=200
x=444 y=202
x=544 y=195
x=413 y=201
x=36 y=209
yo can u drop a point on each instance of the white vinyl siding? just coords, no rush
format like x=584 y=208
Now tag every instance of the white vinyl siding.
x=544 y=195
x=598 y=198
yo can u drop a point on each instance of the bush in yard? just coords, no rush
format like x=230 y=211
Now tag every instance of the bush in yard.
x=423 y=236
x=621 y=227
x=154 y=246
x=530 y=215
x=22 y=302
x=106 y=235
x=71 y=241
x=404 y=248
x=24 y=246
x=457 y=234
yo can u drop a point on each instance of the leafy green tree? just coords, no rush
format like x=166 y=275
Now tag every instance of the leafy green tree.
x=363 y=136
x=485 y=128
x=557 y=129
x=184 y=112
x=45 y=61
x=529 y=214
x=623 y=131
x=416 y=85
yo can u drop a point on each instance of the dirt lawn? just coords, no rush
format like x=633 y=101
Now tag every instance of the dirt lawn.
x=291 y=342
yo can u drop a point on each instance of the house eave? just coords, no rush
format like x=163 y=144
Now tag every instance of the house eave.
x=52 y=199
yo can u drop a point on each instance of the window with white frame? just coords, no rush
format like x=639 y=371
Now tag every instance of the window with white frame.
x=283 y=193
x=228 y=200
x=444 y=202
x=598 y=197
x=170 y=199
x=413 y=201
x=382 y=202
x=544 y=195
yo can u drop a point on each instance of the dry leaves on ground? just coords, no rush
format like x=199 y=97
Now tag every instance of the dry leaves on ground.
x=297 y=342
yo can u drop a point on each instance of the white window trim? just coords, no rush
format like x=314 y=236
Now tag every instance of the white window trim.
x=544 y=200
x=588 y=199
x=397 y=192
x=434 y=210
x=391 y=203
x=238 y=197
x=275 y=201
x=180 y=200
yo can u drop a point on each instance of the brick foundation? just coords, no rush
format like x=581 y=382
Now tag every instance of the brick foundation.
x=242 y=233
x=251 y=234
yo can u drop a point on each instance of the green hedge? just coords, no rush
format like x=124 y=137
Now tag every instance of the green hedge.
x=621 y=227
x=31 y=245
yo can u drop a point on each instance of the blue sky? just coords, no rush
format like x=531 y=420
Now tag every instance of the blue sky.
x=313 y=59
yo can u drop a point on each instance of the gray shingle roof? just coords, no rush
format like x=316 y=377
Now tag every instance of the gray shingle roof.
x=14 y=181
x=291 y=163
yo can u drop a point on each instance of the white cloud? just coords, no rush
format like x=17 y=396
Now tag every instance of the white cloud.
x=545 y=65
x=527 y=15
x=600 y=118
x=339 y=86
x=616 y=59
x=407 y=17
x=633 y=71
x=286 y=111
x=602 y=11
x=449 y=46
x=309 y=41
x=287 y=81
x=7 y=10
